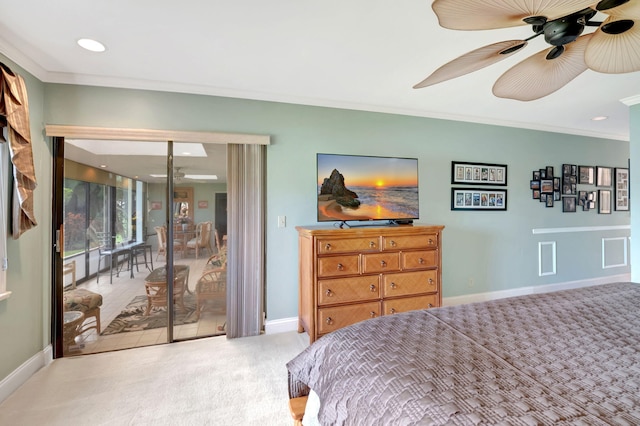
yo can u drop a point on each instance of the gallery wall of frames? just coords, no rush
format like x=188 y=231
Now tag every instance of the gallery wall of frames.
x=584 y=188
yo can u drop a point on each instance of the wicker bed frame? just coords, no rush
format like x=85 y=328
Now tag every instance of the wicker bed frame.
x=568 y=357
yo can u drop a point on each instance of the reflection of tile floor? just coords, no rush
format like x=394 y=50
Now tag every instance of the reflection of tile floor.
x=117 y=295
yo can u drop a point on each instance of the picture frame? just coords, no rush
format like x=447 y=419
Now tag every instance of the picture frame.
x=604 y=205
x=546 y=186
x=603 y=176
x=535 y=194
x=569 y=179
x=479 y=199
x=203 y=204
x=568 y=204
x=155 y=205
x=534 y=184
x=621 y=199
x=478 y=173
x=586 y=175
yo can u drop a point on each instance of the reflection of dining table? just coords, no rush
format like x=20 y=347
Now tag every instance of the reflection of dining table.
x=156 y=286
x=183 y=236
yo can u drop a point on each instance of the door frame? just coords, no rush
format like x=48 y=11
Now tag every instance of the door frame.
x=58 y=133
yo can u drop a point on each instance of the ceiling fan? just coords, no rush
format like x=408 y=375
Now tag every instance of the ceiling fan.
x=614 y=47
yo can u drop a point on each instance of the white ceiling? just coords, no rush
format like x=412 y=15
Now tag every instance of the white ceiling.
x=357 y=54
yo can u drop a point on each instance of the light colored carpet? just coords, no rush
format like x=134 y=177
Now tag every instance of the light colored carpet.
x=212 y=381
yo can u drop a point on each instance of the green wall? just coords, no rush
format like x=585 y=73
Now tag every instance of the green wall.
x=634 y=133
x=24 y=317
x=482 y=251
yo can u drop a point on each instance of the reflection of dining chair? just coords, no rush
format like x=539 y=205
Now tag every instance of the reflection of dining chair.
x=211 y=287
x=161 y=231
x=220 y=244
x=156 y=287
x=202 y=239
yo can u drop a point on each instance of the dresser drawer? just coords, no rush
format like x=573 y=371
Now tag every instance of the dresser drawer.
x=340 y=290
x=380 y=262
x=404 y=304
x=403 y=242
x=330 y=319
x=419 y=259
x=347 y=245
x=336 y=266
x=407 y=283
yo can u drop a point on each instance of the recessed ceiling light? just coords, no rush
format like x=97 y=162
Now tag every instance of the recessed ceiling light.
x=599 y=118
x=92 y=45
x=103 y=166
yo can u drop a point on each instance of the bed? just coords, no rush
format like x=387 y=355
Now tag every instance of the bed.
x=566 y=357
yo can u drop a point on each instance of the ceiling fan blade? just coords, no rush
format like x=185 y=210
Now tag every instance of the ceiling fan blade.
x=613 y=53
x=492 y=14
x=473 y=61
x=620 y=8
x=536 y=77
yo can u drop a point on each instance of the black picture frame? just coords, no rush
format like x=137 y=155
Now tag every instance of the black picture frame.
x=568 y=204
x=621 y=199
x=479 y=199
x=586 y=175
x=546 y=186
x=604 y=201
x=603 y=176
x=569 y=179
x=467 y=173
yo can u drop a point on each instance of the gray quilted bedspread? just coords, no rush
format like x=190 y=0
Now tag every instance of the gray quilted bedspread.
x=567 y=357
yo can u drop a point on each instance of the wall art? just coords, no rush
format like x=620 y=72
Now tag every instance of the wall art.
x=478 y=199
x=478 y=173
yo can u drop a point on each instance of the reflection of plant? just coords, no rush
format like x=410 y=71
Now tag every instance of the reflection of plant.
x=74 y=231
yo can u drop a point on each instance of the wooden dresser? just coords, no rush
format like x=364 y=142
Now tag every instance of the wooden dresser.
x=349 y=275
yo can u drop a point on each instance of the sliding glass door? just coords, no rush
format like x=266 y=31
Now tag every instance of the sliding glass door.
x=128 y=223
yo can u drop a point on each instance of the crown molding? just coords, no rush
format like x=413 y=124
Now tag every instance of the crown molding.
x=631 y=100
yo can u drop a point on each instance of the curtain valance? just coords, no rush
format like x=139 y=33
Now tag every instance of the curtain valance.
x=14 y=114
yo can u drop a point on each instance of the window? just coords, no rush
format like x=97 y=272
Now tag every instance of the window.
x=4 y=212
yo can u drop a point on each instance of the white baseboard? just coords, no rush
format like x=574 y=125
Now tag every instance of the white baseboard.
x=21 y=374
x=291 y=324
x=522 y=291
x=281 y=325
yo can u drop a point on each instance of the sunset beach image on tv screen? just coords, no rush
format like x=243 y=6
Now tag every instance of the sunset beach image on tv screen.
x=353 y=187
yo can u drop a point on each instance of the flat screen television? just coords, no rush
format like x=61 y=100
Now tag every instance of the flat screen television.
x=366 y=188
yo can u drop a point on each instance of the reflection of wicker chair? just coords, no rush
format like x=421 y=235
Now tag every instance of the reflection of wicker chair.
x=156 y=287
x=85 y=301
x=161 y=231
x=211 y=287
x=202 y=239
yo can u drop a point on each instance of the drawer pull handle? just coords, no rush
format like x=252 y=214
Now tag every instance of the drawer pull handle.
x=329 y=293
x=393 y=285
x=372 y=314
x=431 y=242
x=383 y=263
x=372 y=244
x=430 y=280
x=340 y=266
x=393 y=310
x=329 y=321
x=421 y=261
x=429 y=305
x=372 y=287
x=327 y=246
x=393 y=243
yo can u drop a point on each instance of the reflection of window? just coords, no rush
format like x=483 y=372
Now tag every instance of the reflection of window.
x=4 y=212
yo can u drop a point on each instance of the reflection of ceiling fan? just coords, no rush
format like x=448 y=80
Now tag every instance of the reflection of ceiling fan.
x=178 y=174
x=613 y=48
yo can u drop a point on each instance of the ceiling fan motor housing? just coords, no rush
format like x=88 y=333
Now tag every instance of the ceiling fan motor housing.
x=567 y=29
